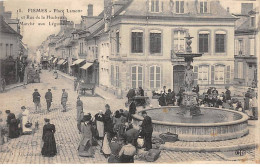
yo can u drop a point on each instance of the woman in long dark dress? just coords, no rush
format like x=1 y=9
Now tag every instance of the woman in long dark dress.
x=12 y=123
x=49 y=145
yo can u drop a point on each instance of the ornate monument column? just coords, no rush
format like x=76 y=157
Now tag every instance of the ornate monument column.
x=189 y=97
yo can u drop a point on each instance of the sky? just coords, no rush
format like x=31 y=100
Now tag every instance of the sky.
x=33 y=35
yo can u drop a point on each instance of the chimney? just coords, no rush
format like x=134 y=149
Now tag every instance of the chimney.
x=246 y=7
x=228 y=9
x=90 y=10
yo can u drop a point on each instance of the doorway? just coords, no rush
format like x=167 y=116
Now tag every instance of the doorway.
x=178 y=77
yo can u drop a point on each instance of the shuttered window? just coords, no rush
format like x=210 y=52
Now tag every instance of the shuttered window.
x=203 y=42
x=203 y=74
x=112 y=75
x=155 y=77
x=117 y=42
x=220 y=43
x=219 y=74
x=117 y=76
x=155 y=42
x=252 y=47
x=137 y=42
x=228 y=74
x=137 y=76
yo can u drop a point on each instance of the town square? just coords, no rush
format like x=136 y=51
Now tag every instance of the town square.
x=129 y=81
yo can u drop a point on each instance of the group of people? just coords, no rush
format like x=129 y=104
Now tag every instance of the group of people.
x=15 y=125
x=48 y=97
x=115 y=131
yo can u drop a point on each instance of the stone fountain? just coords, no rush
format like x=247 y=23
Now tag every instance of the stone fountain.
x=189 y=104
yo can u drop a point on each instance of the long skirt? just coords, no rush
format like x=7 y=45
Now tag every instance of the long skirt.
x=105 y=147
x=85 y=148
x=49 y=146
x=100 y=128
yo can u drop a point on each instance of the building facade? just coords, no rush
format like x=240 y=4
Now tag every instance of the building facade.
x=148 y=34
x=247 y=46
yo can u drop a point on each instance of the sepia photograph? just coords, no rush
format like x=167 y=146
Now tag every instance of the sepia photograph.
x=129 y=81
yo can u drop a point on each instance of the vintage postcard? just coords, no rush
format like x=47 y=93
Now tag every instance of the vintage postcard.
x=129 y=81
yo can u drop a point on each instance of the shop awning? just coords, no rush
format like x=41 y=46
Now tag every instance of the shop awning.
x=61 y=62
x=86 y=66
x=77 y=62
x=55 y=60
x=64 y=62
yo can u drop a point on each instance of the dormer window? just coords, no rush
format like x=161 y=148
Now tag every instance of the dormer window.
x=155 y=6
x=179 y=7
x=204 y=6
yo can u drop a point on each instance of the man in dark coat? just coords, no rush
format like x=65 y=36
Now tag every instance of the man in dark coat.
x=48 y=97
x=131 y=94
x=147 y=130
x=37 y=100
x=170 y=98
x=132 y=110
x=228 y=94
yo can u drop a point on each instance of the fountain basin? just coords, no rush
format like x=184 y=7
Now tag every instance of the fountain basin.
x=213 y=125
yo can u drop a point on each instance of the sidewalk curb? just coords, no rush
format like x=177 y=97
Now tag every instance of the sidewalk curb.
x=72 y=79
x=12 y=87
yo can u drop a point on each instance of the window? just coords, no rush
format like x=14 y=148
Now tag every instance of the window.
x=155 y=77
x=6 y=50
x=137 y=76
x=240 y=46
x=156 y=5
x=203 y=7
x=96 y=53
x=203 y=41
x=117 y=42
x=252 y=21
x=252 y=46
x=219 y=74
x=137 y=41
x=220 y=42
x=203 y=74
x=112 y=75
x=240 y=70
x=117 y=76
x=155 y=42
x=179 y=6
x=179 y=41
x=11 y=49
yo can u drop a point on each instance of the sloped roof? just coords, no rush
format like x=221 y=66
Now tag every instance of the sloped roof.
x=5 y=28
x=139 y=8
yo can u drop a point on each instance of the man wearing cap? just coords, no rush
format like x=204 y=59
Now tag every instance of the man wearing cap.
x=147 y=130
x=80 y=112
x=48 y=97
x=37 y=100
x=64 y=99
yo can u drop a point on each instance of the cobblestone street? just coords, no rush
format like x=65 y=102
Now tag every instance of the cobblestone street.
x=27 y=148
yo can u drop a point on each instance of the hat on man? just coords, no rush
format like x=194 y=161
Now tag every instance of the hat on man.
x=49 y=89
x=23 y=107
x=35 y=89
x=46 y=120
x=7 y=111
